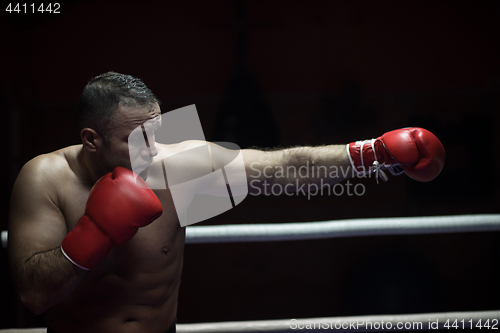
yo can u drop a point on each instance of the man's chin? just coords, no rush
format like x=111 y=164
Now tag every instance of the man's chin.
x=144 y=174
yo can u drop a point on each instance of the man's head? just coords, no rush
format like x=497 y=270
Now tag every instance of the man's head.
x=103 y=95
x=111 y=106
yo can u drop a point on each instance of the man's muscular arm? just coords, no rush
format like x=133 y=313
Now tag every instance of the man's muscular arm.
x=297 y=166
x=415 y=151
x=42 y=275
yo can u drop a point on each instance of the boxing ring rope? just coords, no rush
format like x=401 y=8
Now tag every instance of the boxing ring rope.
x=342 y=228
x=413 y=322
x=336 y=229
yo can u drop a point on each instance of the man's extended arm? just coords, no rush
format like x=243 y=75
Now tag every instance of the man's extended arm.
x=415 y=151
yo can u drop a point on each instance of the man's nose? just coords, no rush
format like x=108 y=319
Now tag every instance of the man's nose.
x=149 y=150
x=152 y=149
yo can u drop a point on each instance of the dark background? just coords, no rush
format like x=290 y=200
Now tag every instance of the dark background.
x=285 y=73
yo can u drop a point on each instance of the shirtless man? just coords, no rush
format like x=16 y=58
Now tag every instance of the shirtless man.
x=120 y=263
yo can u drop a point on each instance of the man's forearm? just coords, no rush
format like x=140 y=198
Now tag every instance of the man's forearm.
x=294 y=167
x=46 y=279
x=327 y=163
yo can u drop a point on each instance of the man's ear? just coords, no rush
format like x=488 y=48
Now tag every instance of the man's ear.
x=91 y=140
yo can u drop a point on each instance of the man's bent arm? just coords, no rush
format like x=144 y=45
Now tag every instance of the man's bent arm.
x=42 y=275
x=45 y=279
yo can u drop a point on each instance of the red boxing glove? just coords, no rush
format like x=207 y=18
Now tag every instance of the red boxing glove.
x=118 y=204
x=412 y=150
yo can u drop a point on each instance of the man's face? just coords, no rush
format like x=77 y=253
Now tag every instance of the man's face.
x=132 y=125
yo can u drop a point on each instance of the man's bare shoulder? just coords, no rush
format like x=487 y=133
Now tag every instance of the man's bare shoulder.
x=45 y=169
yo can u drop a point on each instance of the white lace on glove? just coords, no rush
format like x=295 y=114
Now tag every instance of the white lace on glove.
x=377 y=168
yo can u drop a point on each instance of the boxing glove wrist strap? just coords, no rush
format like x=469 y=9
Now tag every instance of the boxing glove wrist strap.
x=72 y=261
x=361 y=153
